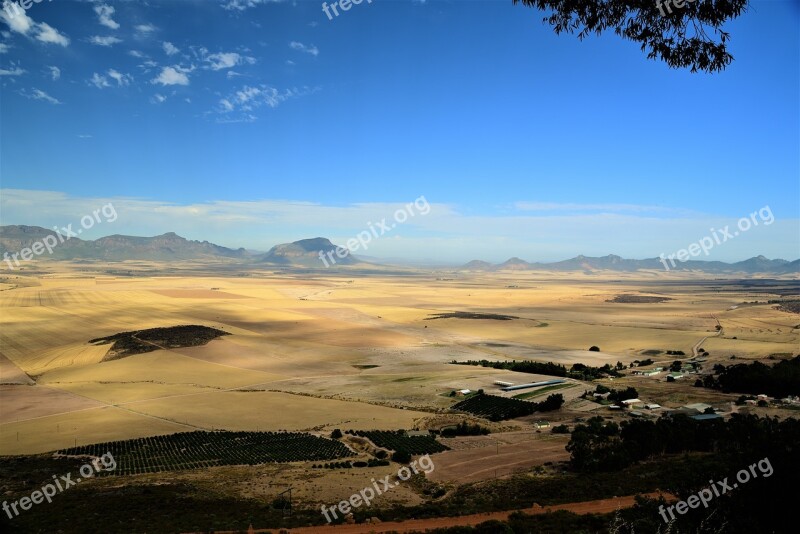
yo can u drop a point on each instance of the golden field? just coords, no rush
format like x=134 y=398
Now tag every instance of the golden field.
x=323 y=351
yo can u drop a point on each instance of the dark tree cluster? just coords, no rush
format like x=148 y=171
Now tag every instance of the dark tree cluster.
x=497 y=408
x=599 y=445
x=464 y=429
x=779 y=380
x=525 y=366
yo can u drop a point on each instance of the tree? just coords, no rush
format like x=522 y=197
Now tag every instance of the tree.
x=677 y=36
x=552 y=402
x=594 y=348
x=401 y=457
x=676 y=366
x=336 y=434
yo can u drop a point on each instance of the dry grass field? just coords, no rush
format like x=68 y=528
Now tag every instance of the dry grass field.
x=324 y=351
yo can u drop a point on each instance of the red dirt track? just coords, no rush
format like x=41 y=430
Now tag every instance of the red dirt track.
x=601 y=506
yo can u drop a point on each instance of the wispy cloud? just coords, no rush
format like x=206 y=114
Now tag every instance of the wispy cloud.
x=227 y=60
x=4 y=48
x=241 y=5
x=121 y=79
x=38 y=94
x=106 y=40
x=145 y=28
x=14 y=70
x=104 y=14
x=444 y=233
x=300 y=47
x=169 y=48
x=172 y=76
x=48 y=34
x=55 y=72
x=99 y=81
x=41 y=31
x=249 y=98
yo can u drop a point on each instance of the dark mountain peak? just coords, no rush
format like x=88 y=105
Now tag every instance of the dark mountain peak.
x=315 y=244
x=308 y=253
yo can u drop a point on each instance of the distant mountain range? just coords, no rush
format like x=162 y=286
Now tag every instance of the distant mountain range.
x=758 y=264
x=169 y=246
x=306 y=253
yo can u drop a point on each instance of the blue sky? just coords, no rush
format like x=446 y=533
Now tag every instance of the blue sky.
x=249 y=123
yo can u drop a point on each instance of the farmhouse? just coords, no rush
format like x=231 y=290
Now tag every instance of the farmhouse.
x=699 y=406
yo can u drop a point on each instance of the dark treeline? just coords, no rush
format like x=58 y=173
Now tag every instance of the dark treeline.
x=602 y=445
x=779 y=380
x=578 y=371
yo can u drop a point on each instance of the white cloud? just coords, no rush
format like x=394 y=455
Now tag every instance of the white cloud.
x=158 y=99
x=48 y=34
x=55 y=72
x=136 y=53
x=107 y=40
x=41 y=31
x=241 y=5
x=84 y=136
x=19 y=23
x=14 y=70
x=172 y=76
x=227 y=60
x=99 y=81
x=170 y=49
x=145 y=28
x=444 y=233
x=588 y=208
x=104 y=14
x=38 y=94
x=300 y=47
x=3 y=48
x=249 y=98
x=121 y=79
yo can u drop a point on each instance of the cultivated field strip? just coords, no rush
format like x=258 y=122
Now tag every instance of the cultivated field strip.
x=193 y=450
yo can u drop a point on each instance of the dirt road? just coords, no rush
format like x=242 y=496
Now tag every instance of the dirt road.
x=601 y=506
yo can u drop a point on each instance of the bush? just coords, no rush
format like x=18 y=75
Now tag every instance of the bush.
x=560 y=429
x=401 y=457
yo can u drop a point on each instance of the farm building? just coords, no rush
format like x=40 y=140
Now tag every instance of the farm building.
x=699 y=406
x=463 y=392
x=542 y=424
x=631 y=402
x=534 y=385
x=652 y=406
x=417 y=433
x=503 y=383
